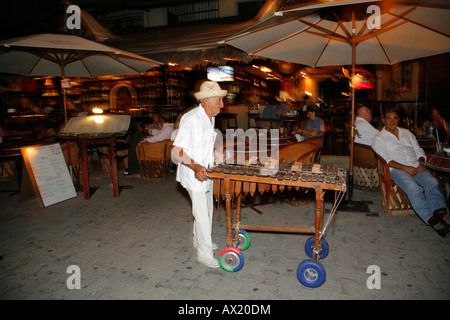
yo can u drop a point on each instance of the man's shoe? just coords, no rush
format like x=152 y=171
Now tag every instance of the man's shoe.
x=214 y=246
x=209 y=262
x=446 y=218
x=444 y=232
x=439 y=217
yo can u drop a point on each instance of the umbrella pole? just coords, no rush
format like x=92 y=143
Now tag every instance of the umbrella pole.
x=352 y=129
x=358 y=206
x=65 y=120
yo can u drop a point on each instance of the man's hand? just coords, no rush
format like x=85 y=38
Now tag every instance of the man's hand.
x=200 y=172
x=421 y=168
x=411 y=170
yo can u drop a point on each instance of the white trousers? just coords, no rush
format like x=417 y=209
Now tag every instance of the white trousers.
x=202 y=211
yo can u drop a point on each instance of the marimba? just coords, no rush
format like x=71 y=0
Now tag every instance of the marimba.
x=236 y=180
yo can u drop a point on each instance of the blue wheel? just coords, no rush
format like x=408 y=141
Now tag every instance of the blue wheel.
x=244 y=240
x=311 y=274
x=231 y=259
x=309 y=248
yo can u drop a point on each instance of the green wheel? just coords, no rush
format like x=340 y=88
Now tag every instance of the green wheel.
x=243 y=242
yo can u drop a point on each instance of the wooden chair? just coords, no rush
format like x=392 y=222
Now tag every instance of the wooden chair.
x=74 y=160
x=318 y=141
x=365 y=170
x=154 y=160
x=393 y=200
x=301 y=152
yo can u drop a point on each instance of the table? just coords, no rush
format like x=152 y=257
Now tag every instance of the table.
x=86 y=140
x=234 y=180
x=10 y=150
x=111 y=141
x=288 y=121
x=440 y=163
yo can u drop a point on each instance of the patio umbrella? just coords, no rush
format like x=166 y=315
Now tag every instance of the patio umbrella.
x=66 y=55
x=349 y=33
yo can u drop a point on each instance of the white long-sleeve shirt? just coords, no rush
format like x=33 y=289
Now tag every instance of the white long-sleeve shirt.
x=404 y=150
x=366 y=131
x=196 y=136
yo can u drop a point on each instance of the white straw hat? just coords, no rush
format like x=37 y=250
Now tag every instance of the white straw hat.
x=210 y=89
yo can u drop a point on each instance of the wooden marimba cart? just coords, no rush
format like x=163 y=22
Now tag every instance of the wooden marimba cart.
x=236 y=180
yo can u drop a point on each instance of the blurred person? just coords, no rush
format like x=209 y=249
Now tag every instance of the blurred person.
x=424 y=129
x=441 y=128
x=365 y=131
x=129 y=156
x=315 y=126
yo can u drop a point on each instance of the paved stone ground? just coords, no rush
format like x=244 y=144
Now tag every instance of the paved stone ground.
x=139 y=246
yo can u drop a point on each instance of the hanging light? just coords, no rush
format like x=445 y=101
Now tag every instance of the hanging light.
x=49 y=82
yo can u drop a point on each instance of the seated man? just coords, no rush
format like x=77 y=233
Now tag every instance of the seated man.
x=365 y=131
x=274 y=110
x=315 y=127
x=399 y=148
x=131 y=162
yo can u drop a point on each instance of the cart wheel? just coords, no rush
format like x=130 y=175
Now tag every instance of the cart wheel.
x=231 y=259
x=309 y=248
x=244 y=240
x=311 y=274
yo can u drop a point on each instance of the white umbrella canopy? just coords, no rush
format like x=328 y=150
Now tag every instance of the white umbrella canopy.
x=319 y=35
x=67 y=56
x=337 y=33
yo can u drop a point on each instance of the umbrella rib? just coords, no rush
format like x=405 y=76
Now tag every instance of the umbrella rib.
x=327 y=33
x=278 y=41
x=45 y=56
x=87 y=69
x=387 y=26
x=34 y=66
x=339 y=21
x=112 y=57
x=324 y=48
x=419 y=24
x=382 y=48
x=377 y=32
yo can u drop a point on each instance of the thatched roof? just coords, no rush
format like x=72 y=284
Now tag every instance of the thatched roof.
x=188 y=46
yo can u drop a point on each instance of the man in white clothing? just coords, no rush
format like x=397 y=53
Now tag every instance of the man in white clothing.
x=399 y=148
x=193 y=151
x=365 y=131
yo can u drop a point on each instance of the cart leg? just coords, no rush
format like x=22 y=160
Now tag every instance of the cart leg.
x=318 y=224
x=229 y=212
x=238 y=212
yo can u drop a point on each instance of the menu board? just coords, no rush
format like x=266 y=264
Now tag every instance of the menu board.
x=49 y=174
